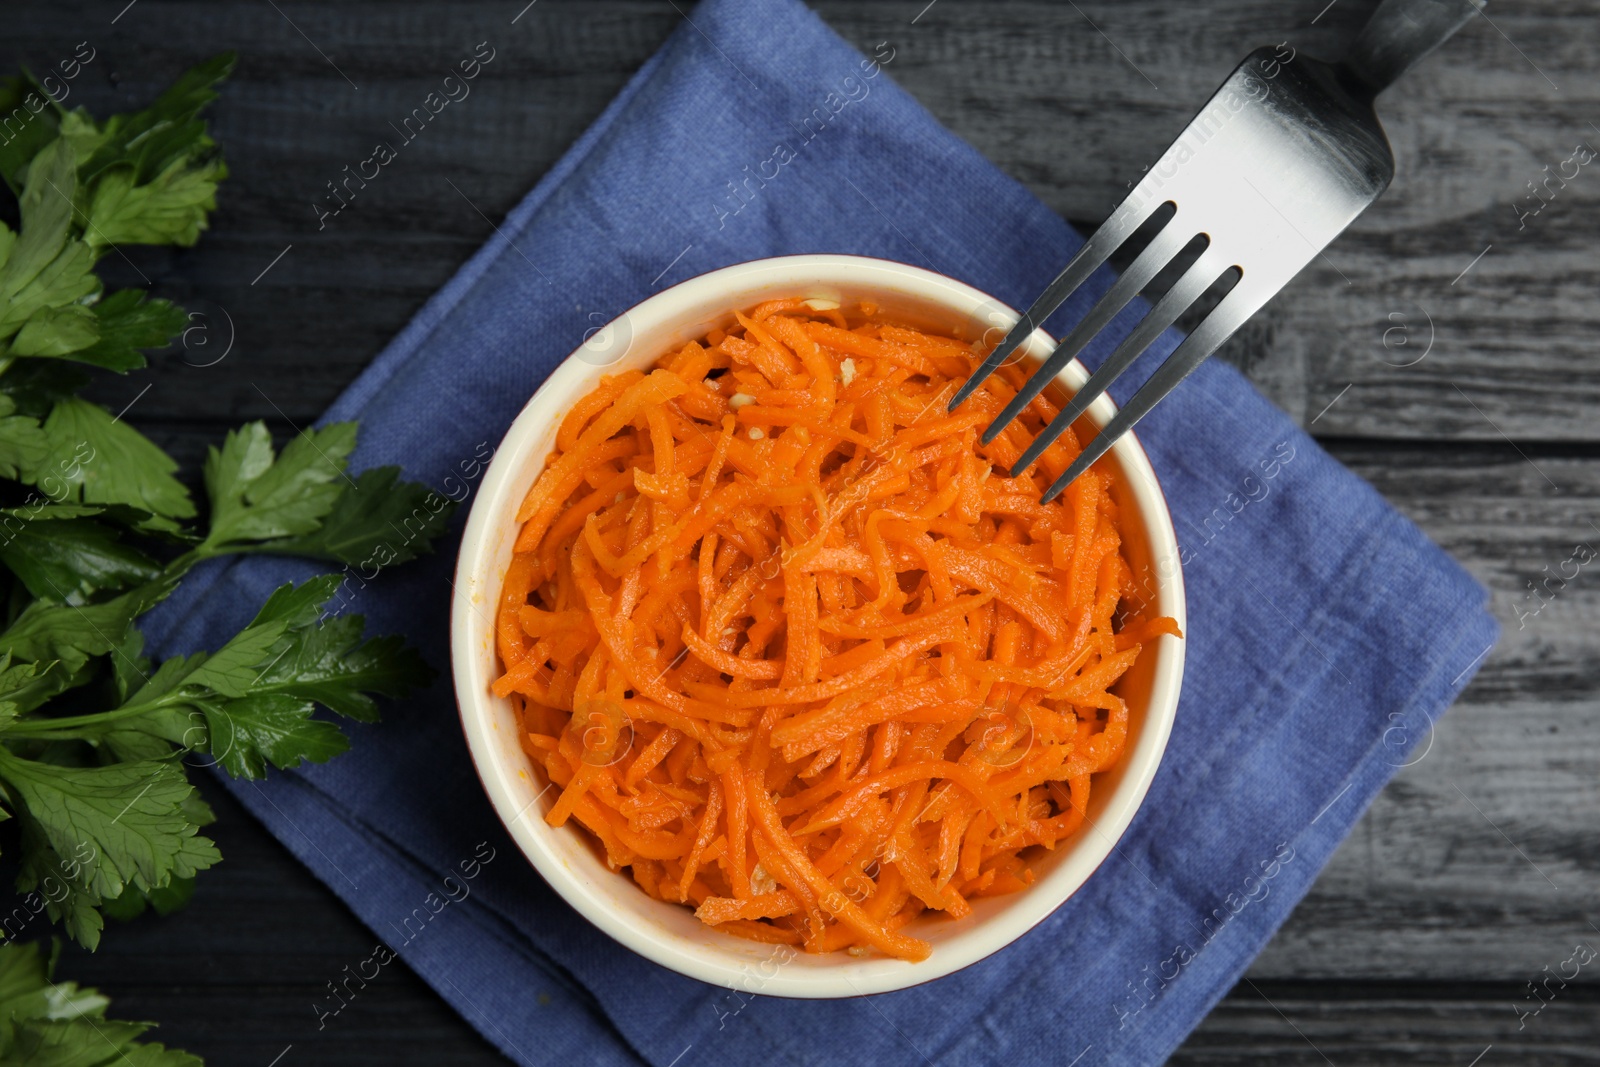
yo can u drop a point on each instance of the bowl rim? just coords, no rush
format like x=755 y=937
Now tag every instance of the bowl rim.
x=852 y=976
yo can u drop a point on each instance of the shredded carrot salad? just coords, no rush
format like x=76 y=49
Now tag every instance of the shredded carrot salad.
x=796 y=649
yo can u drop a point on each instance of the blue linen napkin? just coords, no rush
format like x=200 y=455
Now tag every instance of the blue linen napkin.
x=1325 y=632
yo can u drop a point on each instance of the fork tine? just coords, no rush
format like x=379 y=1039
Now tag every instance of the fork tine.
x=1105 y=240
x=1184 y=292
x=1157 y=254
x=1242 y=301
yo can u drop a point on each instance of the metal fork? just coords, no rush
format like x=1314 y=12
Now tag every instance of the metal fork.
x=1285 y=155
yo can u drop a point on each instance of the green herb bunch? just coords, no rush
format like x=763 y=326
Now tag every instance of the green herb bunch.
x=96 y=530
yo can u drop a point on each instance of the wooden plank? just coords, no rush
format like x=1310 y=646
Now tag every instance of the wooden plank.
x=1029 y=83
x=1444 y=879
x=1479 y=859
x=1380 y=1024
x=1033 y=85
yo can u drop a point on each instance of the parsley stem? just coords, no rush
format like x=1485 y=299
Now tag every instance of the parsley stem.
x=47 y=726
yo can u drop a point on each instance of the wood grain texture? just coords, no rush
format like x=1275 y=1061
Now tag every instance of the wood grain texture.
x=1476 y=868
x=1376 y=1025
x=1482 y=858
x=1029 y=83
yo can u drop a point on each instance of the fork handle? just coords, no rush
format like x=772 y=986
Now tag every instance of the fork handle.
x=1399 y=33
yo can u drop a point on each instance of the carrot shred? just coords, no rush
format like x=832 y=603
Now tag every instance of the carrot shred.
x=798 y=651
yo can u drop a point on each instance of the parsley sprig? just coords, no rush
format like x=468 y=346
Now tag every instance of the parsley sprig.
x=96 y=528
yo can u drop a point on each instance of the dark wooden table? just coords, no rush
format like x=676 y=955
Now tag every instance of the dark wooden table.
x=1473 y=872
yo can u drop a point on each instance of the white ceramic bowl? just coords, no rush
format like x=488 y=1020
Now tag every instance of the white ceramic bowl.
x=668 y=933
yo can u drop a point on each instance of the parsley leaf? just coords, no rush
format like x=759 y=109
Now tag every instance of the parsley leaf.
x=23 y=445
x=126 y=322
x=248 y=733
x=45 y=267
x=256 y=696
x=128 y=818
x=71 y=633
x=149 y=140
x=262 y=687
x=256 y=496
x=17 y=682
x=331 y=665
x=102 y=460
x=68 y=900
x=302 y=503
x=27 y=992
x=62 y=557
x=155 y=172
x=378 y=521
x=32 y=118
x=57 y=331
x=235 y=668
x=170 y=209
x=46 y=1023
x=26 y=685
